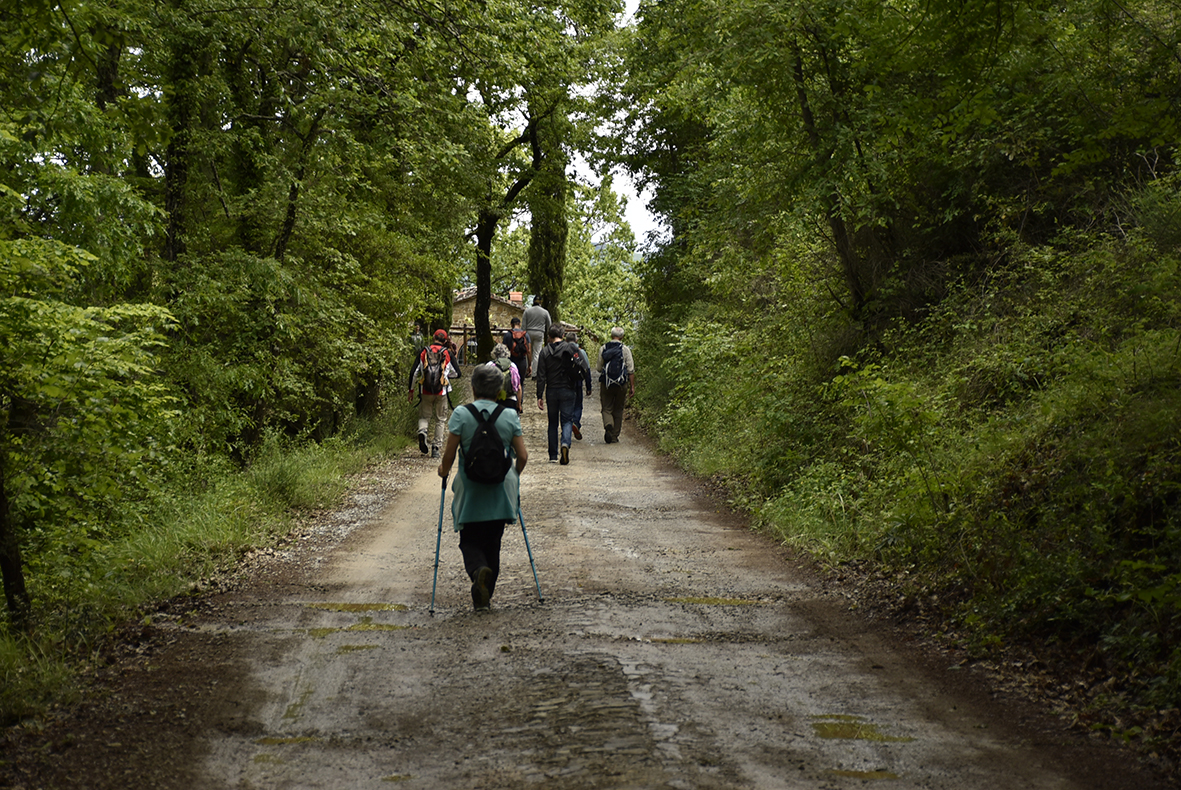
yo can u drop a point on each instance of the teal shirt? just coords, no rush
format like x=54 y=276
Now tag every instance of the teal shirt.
x=483 y=501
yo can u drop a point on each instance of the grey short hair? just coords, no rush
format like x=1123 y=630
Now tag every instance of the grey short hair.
x=487 y=382
x=617 y=332
x=501 y=350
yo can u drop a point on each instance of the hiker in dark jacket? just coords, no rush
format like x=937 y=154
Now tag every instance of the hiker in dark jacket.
x=480 y=511
x=585 y=381
x=555 y=382
x=520 y=348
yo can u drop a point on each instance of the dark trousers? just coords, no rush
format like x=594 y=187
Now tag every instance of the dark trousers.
x=613 y=400
x=479 y=542
x=578 y=406
x=522 y=364
x=559 y=404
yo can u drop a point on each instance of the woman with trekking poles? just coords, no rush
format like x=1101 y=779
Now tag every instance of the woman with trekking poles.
x=488 y=439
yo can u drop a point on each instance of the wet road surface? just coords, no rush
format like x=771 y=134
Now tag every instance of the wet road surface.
x=673 y=649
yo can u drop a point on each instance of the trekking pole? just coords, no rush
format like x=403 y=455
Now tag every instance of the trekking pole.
x=438 y=541
x=540 y=599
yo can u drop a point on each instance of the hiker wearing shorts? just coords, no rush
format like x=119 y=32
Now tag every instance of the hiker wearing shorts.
x=480 y=511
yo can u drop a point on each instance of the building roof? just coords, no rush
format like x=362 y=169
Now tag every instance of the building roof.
x=464 y=294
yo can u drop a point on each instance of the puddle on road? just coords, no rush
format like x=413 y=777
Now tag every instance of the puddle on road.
x=868 y=775
x=366 y=624
x=359 y=607
x=715 y=601
x=272 y=740
x=852 y=728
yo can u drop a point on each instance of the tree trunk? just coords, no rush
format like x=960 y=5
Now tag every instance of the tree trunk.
x=832 y=208
x=11 y=565
x=485 y=233
x=547 y=205
x=183 y=113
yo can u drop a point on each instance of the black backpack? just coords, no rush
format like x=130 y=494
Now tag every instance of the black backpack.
x=614 y=371
x=572 y=364
x=434 y=369
x=486 y=459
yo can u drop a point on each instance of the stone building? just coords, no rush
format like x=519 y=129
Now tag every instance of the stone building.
x=500 y=314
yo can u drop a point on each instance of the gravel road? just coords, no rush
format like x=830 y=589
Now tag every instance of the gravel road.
x=674 y=648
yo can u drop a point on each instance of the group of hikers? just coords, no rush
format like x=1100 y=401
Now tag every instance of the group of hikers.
x=486 y=434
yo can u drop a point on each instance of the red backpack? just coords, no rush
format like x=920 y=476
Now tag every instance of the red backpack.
x=520 y=343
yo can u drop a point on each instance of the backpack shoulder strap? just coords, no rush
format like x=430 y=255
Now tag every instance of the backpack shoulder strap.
x=479 y=415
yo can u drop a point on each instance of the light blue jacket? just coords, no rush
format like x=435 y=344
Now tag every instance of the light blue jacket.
x=484 y=501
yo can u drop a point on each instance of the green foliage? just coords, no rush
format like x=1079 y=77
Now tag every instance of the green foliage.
x=217 y=222
x=602 y=287
x=1015 y=451
x=84 y=422
x=941 y=244
x=173 y=542
x=31 y=679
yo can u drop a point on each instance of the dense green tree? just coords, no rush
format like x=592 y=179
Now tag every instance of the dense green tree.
x=555 y=50
x=935 y=235
x=602 y=282
x=275 y=191
x=549 y=224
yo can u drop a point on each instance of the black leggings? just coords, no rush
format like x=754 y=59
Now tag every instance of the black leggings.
x=479 y=542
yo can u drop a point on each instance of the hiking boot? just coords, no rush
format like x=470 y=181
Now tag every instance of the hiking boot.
x=577 y=433
x=607 y=437
x=422 y=443
x=481 y=595
x=434 y=452
x=565 y=455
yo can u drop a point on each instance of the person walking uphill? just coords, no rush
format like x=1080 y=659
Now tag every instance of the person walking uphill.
x=617 y=377
x=585 y=381
x=520 y=348
x=433 y=373
x=559 y=370
x=537 y=323
x=481 y=510
x=510 y=391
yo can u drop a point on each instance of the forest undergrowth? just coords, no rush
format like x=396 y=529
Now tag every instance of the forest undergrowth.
x=1006 y=455
x=197 y=524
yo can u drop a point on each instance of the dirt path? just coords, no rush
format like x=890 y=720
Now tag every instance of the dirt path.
x=674 y=649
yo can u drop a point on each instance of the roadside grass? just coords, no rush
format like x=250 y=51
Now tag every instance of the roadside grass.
x=199 y=525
